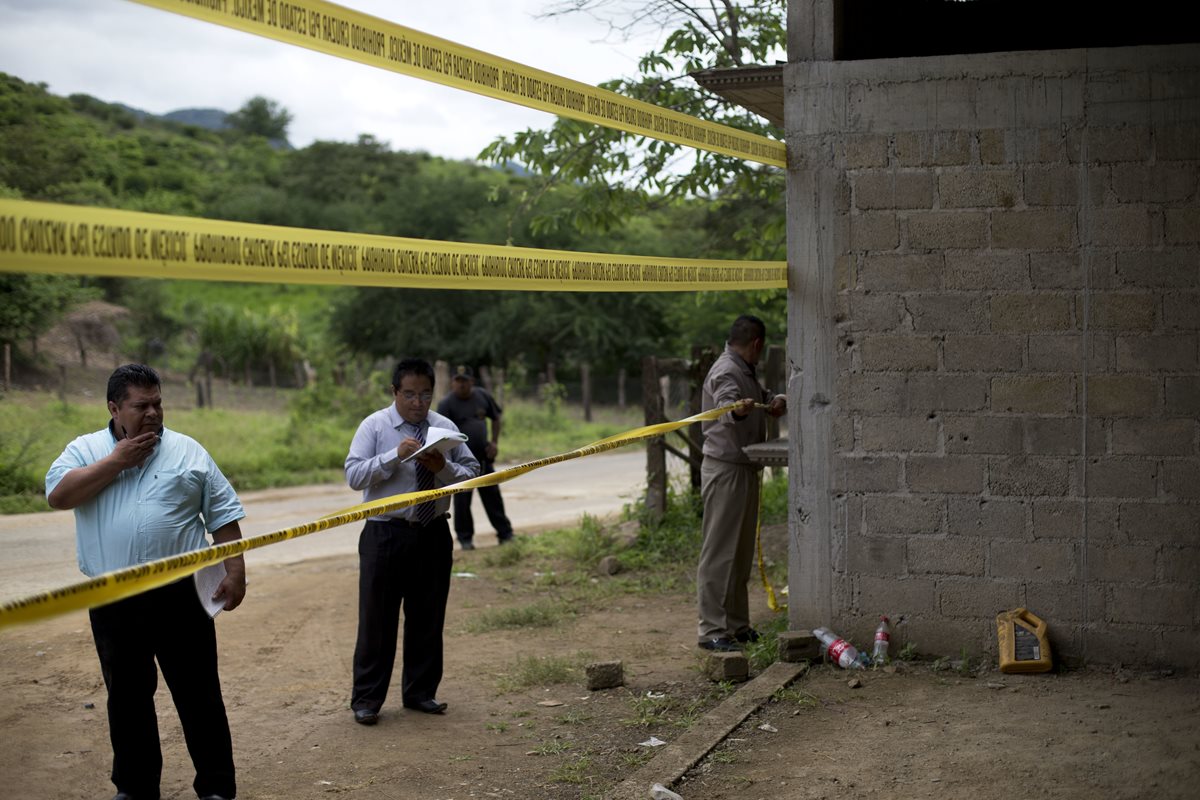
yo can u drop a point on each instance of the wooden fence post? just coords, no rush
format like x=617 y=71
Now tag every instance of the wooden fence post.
x=773 y=378
x=585 y=377
x=702 y=361
x=656 y=451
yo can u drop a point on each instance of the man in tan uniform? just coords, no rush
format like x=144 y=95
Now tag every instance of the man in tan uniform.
x=729 y=486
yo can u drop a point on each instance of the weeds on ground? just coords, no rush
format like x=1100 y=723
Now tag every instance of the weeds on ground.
x=542 y=614
x=552 y=747
x=790 y=695
x=574 y=771
x=531 y=671
x=765 y=651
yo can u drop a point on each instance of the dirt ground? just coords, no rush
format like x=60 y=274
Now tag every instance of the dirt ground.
x=286 y=664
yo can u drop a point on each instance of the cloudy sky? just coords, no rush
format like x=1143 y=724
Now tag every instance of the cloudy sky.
x=121 y=51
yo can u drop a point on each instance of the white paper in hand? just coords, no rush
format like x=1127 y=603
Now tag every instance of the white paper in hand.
x=207 y=580
x=440 y=439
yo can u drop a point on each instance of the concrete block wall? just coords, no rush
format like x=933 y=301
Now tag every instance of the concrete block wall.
x=995 y=327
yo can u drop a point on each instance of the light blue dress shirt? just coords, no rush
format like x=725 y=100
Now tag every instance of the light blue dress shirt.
x=373 y=466
x=162 y=508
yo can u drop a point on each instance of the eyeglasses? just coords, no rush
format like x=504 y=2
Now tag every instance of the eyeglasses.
x=424 y=397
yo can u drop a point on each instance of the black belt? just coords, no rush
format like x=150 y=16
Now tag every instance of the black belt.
x=395 y=522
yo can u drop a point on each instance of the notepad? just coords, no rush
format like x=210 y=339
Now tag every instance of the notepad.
x=442 y=440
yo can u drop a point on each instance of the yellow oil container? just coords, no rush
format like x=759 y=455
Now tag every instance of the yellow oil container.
x=1023 y=643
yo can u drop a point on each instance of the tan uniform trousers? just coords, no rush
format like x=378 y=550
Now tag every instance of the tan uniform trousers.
x=730 y=494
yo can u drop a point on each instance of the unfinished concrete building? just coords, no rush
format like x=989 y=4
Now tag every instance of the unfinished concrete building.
x=994 y=308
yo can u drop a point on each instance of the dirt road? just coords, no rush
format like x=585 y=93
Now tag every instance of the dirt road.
x=39 y=549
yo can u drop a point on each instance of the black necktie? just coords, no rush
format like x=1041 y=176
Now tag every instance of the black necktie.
x=424 y=513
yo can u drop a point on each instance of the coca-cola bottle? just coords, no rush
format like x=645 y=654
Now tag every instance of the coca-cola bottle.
x=883 y=638
x=840 y=651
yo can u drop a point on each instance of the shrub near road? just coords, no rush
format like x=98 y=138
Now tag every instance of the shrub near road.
x=260 y=449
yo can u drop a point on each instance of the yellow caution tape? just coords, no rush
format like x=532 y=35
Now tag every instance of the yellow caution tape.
x=49 y=237
x=122 y=583
x=346 y=33
x=772 y=603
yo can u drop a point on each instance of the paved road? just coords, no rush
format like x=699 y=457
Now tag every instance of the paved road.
x=38 y=550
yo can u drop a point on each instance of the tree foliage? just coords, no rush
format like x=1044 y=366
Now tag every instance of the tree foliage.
x=622 y=174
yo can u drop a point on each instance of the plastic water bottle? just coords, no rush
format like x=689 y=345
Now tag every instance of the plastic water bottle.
x=840 y=651
x=883 y=638
x=660 y=792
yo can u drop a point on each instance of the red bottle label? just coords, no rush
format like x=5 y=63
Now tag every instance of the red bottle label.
x=836 y=649
x=882 y=636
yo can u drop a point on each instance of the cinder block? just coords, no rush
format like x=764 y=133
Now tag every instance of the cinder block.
x=933 y=393
x=1062 y=270
x=914 y=596
x=871 y=392
x=1056 y=352
x=1160 y=183
x=1033 y=145
x=795 y=646
x=1030 y=477
x=1158 y=269
x=1032 y=312
x=1109 y=644
x=1164 y=523
x=939 y=636
x=1153 y=605
x=1034 y=562
x=901 y=273
x=949 y=555
x=1118 y=227
x=870 y=474
x=1041 y=394
x=1121 y=564
x=988 y=353
x=604 y=675
x=1122 y=395
x=1181 y=311
x=1064 y=519
x=899 y=434
x=1122 y=478
x=978 y=188
x=891 y=353
x=903 y=515
x=865 y=150
x=933 y=148
x=987 y=518
x=1062 y=603
x=978 y=270
x=892 y=189
x=1183 y=396
x=1044 y=229
x=945 y=474
x=870 y=555
x=1125 y=311
x=1051 y=186
x=1054 y=436
x=726 y=667
x=942 y=230
x=1182 y=226
x=1176 y=142
x=1181 y=479
x=1167 y=437
x=948 y=312
x=976 y=434
x=1179 y=564
x=978 y=598
x=873 y=311
x=875 y=230
x=1128 y=143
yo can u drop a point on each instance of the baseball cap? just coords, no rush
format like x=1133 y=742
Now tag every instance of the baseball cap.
x=463 y=371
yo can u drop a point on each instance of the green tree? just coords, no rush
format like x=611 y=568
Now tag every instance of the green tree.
x=261 y=117
x=622 y=174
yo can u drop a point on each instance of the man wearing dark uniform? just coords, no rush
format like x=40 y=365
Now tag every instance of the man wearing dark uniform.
x=470 y=407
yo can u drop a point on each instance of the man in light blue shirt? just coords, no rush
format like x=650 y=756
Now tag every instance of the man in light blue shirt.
x=142 y=492
x=405 y=555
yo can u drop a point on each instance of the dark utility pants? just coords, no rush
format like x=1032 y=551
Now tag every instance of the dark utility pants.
x=167 y=624
x=493 y=504
x=400 y=564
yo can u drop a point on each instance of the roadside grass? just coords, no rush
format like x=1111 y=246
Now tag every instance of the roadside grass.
x=530 y=671
x=259 y=448
x=542 y=614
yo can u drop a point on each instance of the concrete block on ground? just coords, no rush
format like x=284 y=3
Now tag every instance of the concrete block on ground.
x=797 y=646
x=726 y=667
x=604 y=675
